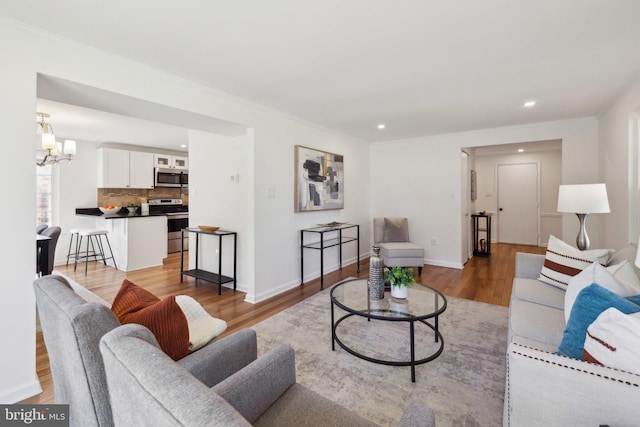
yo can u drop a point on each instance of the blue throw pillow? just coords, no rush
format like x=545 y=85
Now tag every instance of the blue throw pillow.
x=591 y=301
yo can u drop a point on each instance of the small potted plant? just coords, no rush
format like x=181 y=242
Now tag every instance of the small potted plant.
x=400 y=279
x=132 y=207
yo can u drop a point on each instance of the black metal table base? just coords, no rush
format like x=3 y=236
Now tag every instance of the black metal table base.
x=412 y=362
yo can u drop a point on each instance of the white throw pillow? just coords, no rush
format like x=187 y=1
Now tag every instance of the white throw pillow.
x=619 y=279
x=613 y=340
x=563 y=261
x=202 y=326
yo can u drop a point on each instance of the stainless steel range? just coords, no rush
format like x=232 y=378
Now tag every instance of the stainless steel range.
x=177 y=219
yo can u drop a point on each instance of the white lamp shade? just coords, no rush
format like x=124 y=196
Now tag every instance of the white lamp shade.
x=48 y=141
x=58 y=150
x=69 y=147
x=583 y=199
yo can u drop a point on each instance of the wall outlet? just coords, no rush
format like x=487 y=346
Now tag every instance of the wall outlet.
x=434 y=241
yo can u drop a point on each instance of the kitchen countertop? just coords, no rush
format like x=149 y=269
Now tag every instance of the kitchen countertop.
x=122 y=213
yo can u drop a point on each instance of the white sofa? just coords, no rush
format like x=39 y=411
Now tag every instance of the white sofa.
x=545 y=389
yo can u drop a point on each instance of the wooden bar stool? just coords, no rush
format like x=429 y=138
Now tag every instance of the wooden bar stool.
x=94 y=239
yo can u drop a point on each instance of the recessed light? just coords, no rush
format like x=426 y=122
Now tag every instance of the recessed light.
x=183 y=145
x=381 y=126
x=530 y=103
x=520 y=150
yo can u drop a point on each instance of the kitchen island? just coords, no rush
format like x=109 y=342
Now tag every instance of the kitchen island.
x=138 y=240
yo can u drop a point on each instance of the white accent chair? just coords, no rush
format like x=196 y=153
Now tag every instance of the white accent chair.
x=391 y=235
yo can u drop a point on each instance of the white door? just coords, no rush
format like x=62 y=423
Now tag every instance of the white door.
x=465 y=197
x=518 y=203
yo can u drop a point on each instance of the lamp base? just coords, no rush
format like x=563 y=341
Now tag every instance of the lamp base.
x=582 y=241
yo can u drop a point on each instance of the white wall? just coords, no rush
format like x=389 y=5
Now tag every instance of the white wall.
x=277 y=226
x=17 y=255
x=616 y=158
x=550 y=178
x=420 y=178
x=216 y=200
x=272 y=253
x=268 y=228
x=76 y=184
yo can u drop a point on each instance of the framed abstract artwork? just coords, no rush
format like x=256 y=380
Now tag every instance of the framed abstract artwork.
x=319 y=180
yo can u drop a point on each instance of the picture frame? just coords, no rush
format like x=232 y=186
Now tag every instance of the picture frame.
x=474 y=185
x=319 y=180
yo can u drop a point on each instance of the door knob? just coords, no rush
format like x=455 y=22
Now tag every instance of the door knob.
x=500 y=209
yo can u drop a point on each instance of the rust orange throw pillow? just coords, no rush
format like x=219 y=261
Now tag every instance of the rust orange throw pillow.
x=164 y=318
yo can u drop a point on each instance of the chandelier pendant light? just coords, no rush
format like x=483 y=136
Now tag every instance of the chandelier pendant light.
x=55 y=151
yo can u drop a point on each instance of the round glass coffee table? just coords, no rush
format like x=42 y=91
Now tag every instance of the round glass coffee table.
x=423 y=304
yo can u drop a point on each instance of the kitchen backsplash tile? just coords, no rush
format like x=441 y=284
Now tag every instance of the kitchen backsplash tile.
x=128 y=196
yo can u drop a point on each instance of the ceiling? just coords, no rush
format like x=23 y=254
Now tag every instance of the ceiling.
x=421 y=67
x=88 y=125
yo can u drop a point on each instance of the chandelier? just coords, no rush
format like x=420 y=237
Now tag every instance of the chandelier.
x=55 y=151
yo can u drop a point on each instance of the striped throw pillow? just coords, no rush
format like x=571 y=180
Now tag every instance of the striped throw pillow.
x=613 y=340
x=563 y=261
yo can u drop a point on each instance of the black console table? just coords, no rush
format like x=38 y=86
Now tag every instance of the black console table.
x=328 y=243
x=209 y=276
x=481 y=234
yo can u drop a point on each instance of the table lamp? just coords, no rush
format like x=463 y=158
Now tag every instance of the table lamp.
x=582 y=200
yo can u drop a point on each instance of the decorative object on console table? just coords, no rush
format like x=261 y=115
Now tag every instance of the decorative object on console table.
x=376 y=275
x=583 y=200
x=400 y=279
x=319 y=180
x=323 y=244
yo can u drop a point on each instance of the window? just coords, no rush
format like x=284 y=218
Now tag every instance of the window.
x=44 y=194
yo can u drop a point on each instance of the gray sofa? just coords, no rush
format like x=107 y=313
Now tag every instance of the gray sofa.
x=73 y=320
x=264 y=393
x=545 y=389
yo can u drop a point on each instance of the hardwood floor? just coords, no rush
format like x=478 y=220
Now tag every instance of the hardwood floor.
x=482 y=279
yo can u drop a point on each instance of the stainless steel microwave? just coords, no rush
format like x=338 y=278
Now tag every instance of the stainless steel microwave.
x=169 y=177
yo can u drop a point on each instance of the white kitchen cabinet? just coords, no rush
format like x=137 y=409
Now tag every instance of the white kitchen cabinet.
x=180 y=162
x=140 y=169
x=113 y=168
x=124 y=168
x=169 y=161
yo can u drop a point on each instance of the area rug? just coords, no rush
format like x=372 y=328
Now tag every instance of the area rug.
x=464 y=386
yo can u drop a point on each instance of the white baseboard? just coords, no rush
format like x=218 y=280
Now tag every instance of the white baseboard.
x=253 y=299
x=22 y=392
x=447 y=264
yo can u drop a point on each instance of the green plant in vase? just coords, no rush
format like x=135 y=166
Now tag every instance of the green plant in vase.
x=400 y=279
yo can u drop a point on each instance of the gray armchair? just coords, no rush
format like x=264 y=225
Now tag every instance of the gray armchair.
x=391 y=235
x=72 y=328
x=149 y=389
